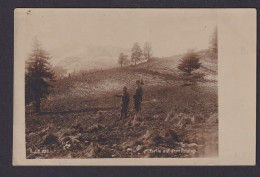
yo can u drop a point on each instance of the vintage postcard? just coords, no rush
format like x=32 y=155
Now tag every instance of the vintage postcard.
x=134 y=87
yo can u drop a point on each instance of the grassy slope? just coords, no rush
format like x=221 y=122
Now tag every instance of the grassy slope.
x=79 y=119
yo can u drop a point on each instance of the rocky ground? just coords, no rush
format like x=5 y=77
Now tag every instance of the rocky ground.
x=80 y=119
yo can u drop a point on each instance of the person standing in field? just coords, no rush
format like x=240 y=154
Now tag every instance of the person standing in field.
x=124 y=104
x=138 y=98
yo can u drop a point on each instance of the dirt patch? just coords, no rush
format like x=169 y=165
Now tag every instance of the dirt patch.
x=50 y=139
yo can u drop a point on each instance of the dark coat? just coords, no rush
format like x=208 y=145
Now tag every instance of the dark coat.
x=125 y=99
x=138 y=96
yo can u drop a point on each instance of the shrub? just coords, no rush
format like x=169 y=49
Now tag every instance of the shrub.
x=189 y=62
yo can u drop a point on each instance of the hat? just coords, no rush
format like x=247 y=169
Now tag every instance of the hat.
x=140 y=82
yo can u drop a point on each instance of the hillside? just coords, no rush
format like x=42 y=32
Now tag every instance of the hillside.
x=80 y=118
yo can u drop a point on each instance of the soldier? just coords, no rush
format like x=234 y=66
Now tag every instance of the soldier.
x=138 y=97
x=125 y=103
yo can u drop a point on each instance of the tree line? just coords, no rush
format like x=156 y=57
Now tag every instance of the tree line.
x=137 y=54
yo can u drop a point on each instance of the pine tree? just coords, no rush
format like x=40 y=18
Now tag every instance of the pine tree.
x=136 y=53
x=213 y=44
x=38 y=76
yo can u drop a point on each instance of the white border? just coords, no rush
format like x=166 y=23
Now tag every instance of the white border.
x=237 y=98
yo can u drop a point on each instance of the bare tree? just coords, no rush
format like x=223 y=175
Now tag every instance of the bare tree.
x=136 y=53
x=147 y=51
x=126 y=61
x=122 y=59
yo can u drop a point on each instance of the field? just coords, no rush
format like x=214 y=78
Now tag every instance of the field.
x=80 y=118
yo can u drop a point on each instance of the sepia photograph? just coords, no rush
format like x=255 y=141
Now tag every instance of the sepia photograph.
x=135 y=85
x=119 y=83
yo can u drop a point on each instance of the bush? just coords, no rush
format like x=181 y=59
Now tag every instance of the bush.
x=189 y=62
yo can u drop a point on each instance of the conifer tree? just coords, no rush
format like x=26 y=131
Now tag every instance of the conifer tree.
x=213 y=44
x=38 y=77
x=189 y=62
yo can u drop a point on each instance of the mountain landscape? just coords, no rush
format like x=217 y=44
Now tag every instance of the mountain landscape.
x=74 y=58
x=80 y=118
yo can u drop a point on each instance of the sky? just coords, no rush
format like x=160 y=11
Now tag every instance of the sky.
x=170 y=31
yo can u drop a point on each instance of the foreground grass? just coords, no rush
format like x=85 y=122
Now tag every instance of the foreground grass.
x=80 y=118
